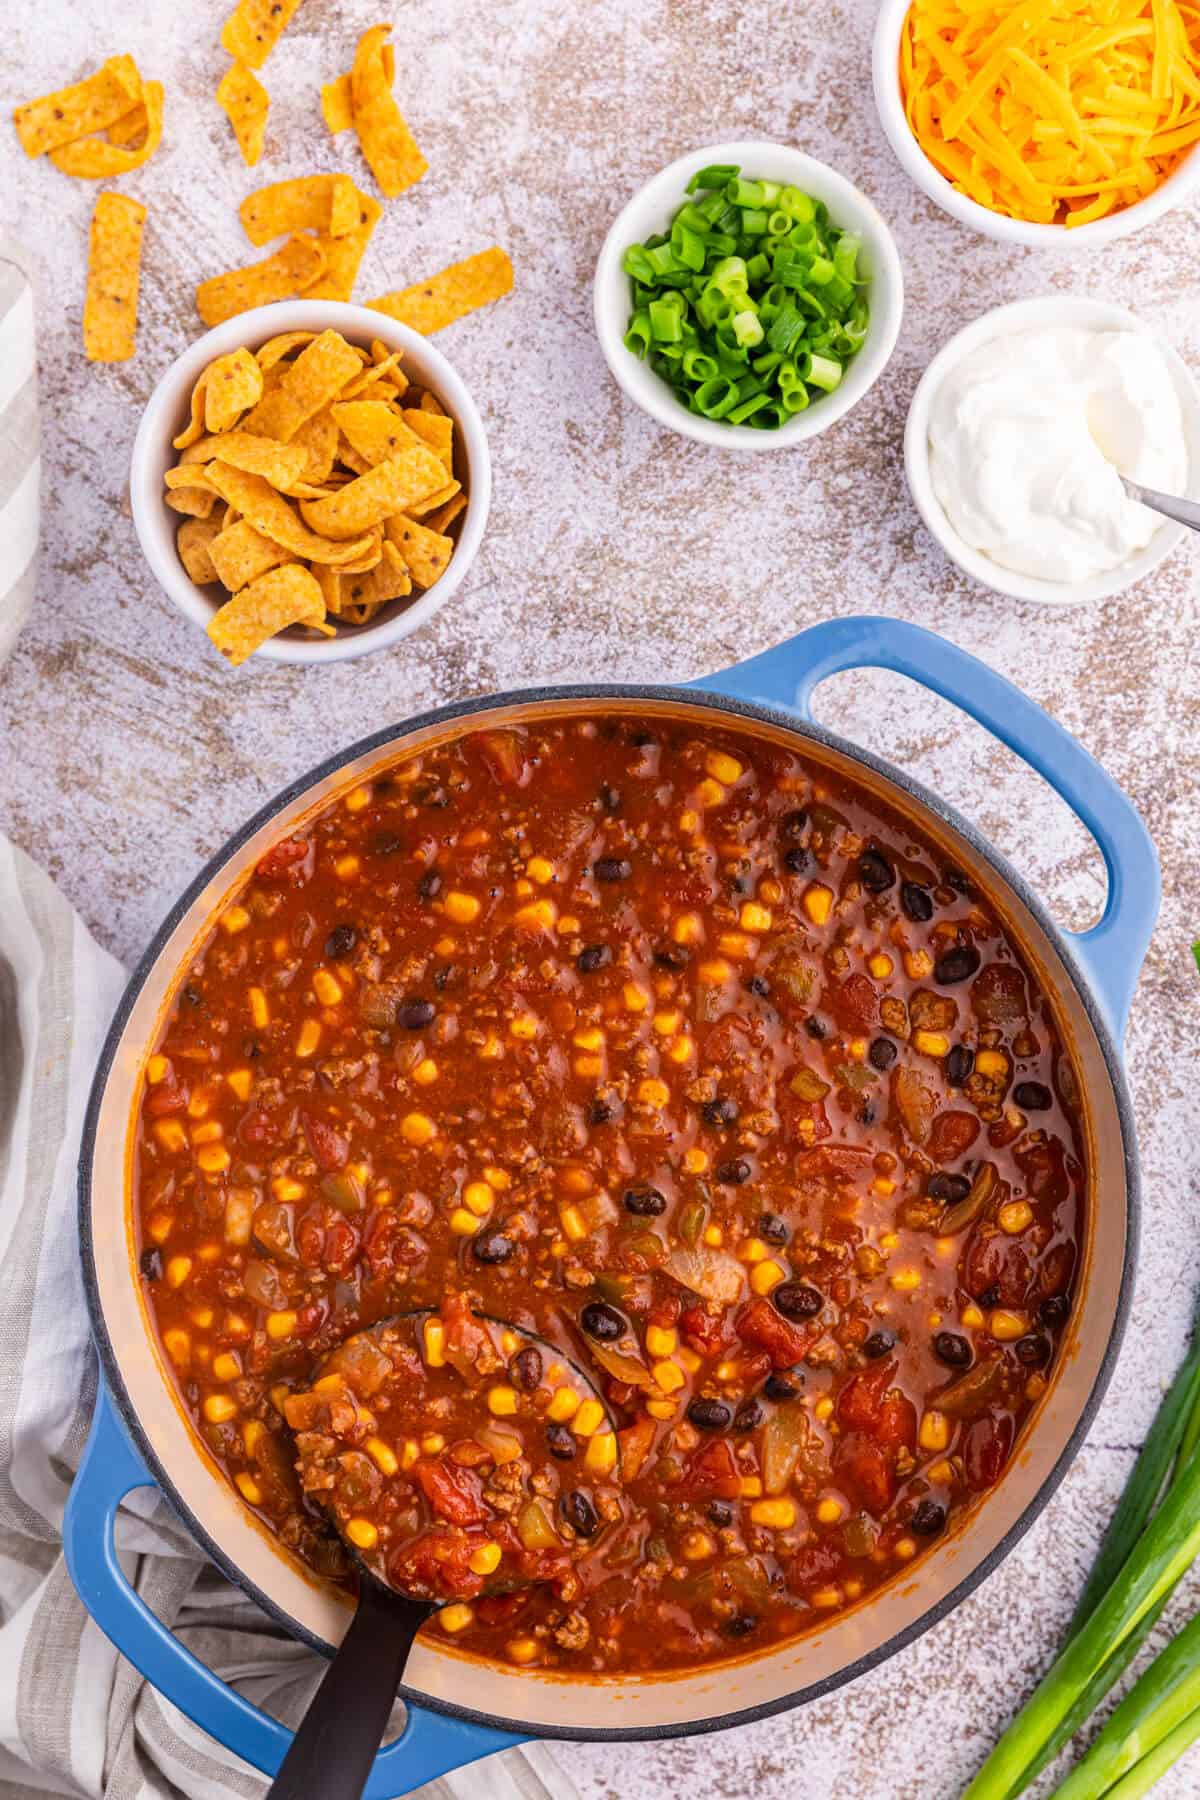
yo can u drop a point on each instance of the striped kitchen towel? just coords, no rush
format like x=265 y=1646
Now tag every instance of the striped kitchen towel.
x=19 y=446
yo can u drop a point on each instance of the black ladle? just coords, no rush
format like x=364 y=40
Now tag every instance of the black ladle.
x=336 y=1743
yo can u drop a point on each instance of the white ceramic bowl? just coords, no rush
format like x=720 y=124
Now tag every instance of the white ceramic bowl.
x=167 y=413
x=1053 y=310
x=652 y=209
x=1178 y=186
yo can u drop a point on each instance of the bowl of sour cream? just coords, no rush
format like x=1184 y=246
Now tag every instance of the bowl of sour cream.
x=1017 y=436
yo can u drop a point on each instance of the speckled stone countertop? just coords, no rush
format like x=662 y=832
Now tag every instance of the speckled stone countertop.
x=129 y=752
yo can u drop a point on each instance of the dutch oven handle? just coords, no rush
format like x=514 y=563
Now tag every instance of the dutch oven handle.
x=430 y=1745
x=1112 y=952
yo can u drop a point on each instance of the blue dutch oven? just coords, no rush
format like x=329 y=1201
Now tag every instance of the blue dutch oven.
x=460 y=1709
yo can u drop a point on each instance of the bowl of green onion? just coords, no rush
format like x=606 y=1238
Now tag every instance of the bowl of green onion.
x=748 y=296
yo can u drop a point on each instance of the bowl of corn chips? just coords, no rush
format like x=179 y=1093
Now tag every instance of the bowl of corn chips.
x=310 y=482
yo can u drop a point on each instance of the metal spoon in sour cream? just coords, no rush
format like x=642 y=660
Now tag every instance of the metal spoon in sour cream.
x=1030 y=434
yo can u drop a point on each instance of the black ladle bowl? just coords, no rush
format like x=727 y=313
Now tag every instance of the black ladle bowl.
x=337 y=1740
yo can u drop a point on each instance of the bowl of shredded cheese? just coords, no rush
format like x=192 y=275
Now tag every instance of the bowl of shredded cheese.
x=1044 y=122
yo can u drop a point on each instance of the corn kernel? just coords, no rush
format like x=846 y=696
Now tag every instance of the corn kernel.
x=778 y=1515
x=178 y=1346
x=241 y=1081
x=766 y=1275
x=463 y=1223
x=888 y=1240
x=713 y=973
x=362 y=1533
x=346 y=868
x=218 y=1409
x=688 y=929
x=358 y=798
x=417 y=1128
x=235 y=919
x=156 y=1069
x=681 y=1050
x=992 y=1063
x=714 y=1237
x=1006 y=1326
x=260 y=1012
x=500 y=1179
x=435 y=1344
x=485 y=1560
x=456 y=1617
x=689 y=821
x=538 y=915
x=935 y=1431
x=178 y=1270
x=1015 y=1217
x=524 y=1026
x=564 y=1404
x=666 y=1024
x=931 y=1043
x=522 y=888
x=522 y=1649
x=695 y=1161
x=432 y=1444
x=881 y=1185
x=588 y=1419
x=1035 y=1387
x=636 y=999
x=971 y=1317
x=710 y=793
x=591 y=1039
x=573 y=1223
x=286 y=1187
x=568 y=925
x=326 y=987
x=281 y=1324
x=213 y=1159
x=824 y=1408
x=751 y=1487
x=308 y=1037
x=661 y=1409
x=653 y=1092
x=170 y=1134
x=880 y=965
x=661 y=1340
x=540 y=869
x=210 y=1133
x=941 y=1473
x=918 y=964
x=410 y=1454
x=226 y=1366
x=249 y=1488
x=600 y=1457
x=754 y=917
x=697 y=1546
x=691 y=1362
x=723 y=767
x=462 y=908
x=817 y=902
x=502 y=1401
x=669 y=1375
x=752 y=1250
x=478 y=1198
x=905 y=1548
x=905 y=1280
x=589 y=1067
x=734 y=943
x=826 y=1598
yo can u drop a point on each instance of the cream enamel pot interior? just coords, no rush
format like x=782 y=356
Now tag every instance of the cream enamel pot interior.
x=140 y=1435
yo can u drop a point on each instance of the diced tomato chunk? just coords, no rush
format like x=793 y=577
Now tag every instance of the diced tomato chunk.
x=865 y=1467
x=635 y=1442
x=169 y=1096
x=284 y=861
x=759 y=1323
x=328 y=1146
x=453 y=1492
x=711 y=1474
x=985 y=1449
x=504 y=754
x=816 y=1565
x=854 y=1002
x=704 y=1331
x=860 y=1403
x=438 y=1563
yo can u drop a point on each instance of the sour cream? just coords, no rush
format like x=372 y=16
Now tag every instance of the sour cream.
x=1027 y=433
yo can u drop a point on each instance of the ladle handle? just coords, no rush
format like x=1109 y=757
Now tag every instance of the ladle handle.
x=335 y=1746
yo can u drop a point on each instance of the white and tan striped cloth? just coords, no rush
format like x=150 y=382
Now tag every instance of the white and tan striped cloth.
x=75 y=1718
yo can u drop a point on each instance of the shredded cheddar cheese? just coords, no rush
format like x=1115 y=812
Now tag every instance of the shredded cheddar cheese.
x=1053 y=111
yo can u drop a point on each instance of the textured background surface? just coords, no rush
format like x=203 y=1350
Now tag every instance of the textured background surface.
x=129 y=752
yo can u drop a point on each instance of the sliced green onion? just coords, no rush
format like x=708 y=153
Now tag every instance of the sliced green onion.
x=638 y=335
x=754 y=222
x=665 y=323
x=712 y=175
x=747 y=329
x=823 y=372
x=747 y=408
x=714 y=398
x=689 y=246
x=745 y=193
x=698 y=366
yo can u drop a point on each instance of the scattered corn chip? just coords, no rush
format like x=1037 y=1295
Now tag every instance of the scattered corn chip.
x=239 y=554
x=426 y=554
x=74 y=112
x=245 y=102
x=326 y=203
x=114 y=264
x=337 y=97
x=267 y=510
x=253 y=29
x=192 y=541
x=282 y=597
x=94 y=159
x=344 y=252
x=232 y=384
x=429 y=305
x=389 y=488
x=299 y=262
x=130 y=129
x=384 y=138
x=308 y=385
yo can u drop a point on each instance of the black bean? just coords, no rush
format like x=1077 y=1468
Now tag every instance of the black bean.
x=601 y=1112
x=882 y=1052
x=580 y=1514
x=741 y=1625
x=430 y=885
x=957 y=965
x=492 y=1247
x=749 y=1416
x=989 y=1298
x=875 y=871
x=733 y=1174
x=928 y=1519
x=916 y=901
x=719 y=1513
x=796 y=1300
x=602 y=1322
x=193 y=996
x=1033 y=1096
x=793 y=826
x=781 y=1387
x=774 y=1229
x=340 y=942
x=721 y=1111
x=816 y=1028
x=593 y=957
x=866 y=1114
x=386 y=843
x=948 y=1188
x=609 y=798
x=959 y=1064
x=645 y=1202
x=643 y=740
x=414 y=1014
x=525 y=1369
x=954 y=878
x=444 y=976
x=878 y=1344
x=151 y=1265
x=612 y=868
x=759 y=985
x=953 y=1350
x=673 y=956
x=710 y=1415
x=1054 y=1310
x=795 y=861
x=561 y=1442
x=1033 y=1351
